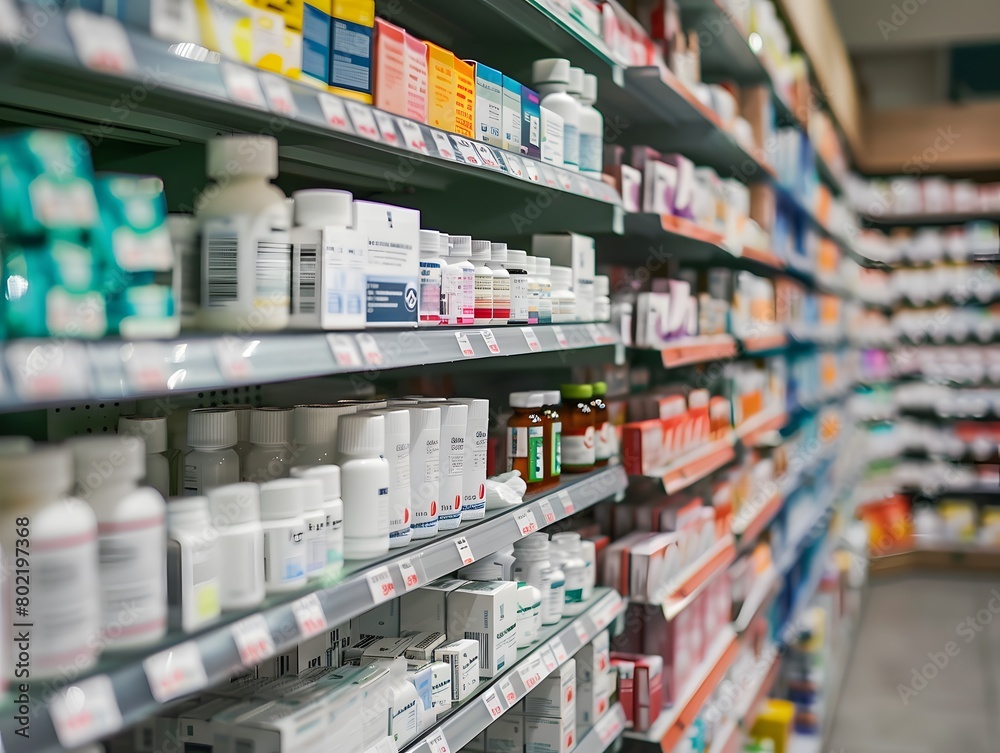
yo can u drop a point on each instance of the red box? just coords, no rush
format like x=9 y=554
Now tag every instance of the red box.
x=647 y=688
x=626 y=696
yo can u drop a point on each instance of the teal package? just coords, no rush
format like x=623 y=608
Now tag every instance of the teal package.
x=316 y=39
x=46 y=185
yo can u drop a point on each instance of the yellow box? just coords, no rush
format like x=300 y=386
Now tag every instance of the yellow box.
x=465 y=99
x=775 y=723
x=440 y=88
x=240 y=31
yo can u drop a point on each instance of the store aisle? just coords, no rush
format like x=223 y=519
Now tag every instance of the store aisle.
x=895 y=699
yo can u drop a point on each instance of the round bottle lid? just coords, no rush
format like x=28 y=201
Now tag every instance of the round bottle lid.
x=45 y=472
x=526 y=399
x=498 y=252
x=430 y=241
x=460 y=246
x=242 y=155
x=283 y=498
x=319 y=207
x=482 y=250
x=362 y=435
x=589 y=88
x=211 y=428
x=271 y=426
x=576 y=81
x=550 y=71
x=99 y=460
x=329 y=475
x=577 y=391
x=233 y=504
x=152 y=431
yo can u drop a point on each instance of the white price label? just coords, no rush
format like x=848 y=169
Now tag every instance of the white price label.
x=380 y=584
x=487 y=156
x=437 y=742
x=444 y=145
x=608 y=728
x=599 y=335
x=363 y=118
x=547 y=511
x=567 y=502
x=85 y=711
x=558 y=649
x=147 y=366
x=548 y=175
x=560 y=336
x=581 y=632
x=491 y=341
x=531 y=171
x=507 y=691
x=464 y=550
x=515 y=165
x=466 y=151
x=531 y=339
x=345 y=352
x=492 y=703
x=243 y=85
x=408 y=574
x=464 y=344
x=279 y=95
x=176 y=672
x=387 y=126
x=101 y=42
x=309 y=616
x=43 y=370
x=334 y=112
x=565 y=181
x=253 y=640
x=549 y=659
x=233 y=358
x=369 y=349
x=531 y=674
x=413 y=136
x=526 y=522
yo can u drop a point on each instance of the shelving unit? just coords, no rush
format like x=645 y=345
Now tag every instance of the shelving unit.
x=695 y=578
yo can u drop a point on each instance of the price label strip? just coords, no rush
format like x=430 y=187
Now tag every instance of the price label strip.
x=147 y=366
x=566 y=501
x=85 y=711
x=437 y=742
x=531 y=172
x=408 y=574
x=488 y=157
x=309 y=616
x=466 y=151
x=279 y=95
x=387 y=126
x=557 y=647
x=530 y=674
x=565 y=181
x=444 y=146
x=253 y=640
x=526 y=522
x=560 y=337
x=507 y=691
x=345 y=352
x=46 y=369
x=334 y=113
x=369 y=348
x=364 y=120
x=531 y=339
x=491 y=341
x=233 y=359
x=413 y=136
x=464 y=550
x=516 y=166
x=101 y=42
x=176 y=672
x=380 y=584
x=243 y=85
x=492 y=703
x=547 y=513
x=549 y=176
x=581 y=632
x=464 y=344
x=549 y=659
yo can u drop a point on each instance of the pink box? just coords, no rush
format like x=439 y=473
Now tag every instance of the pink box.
x=390 y=67
x=416 y=79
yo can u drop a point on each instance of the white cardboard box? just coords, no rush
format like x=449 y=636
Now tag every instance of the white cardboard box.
x=555 y=696
x=543 y=734
x=462 y=658
x=486 y=611
x=392 y=264
x=425 y=609
x=506 y=734
x=576 y=252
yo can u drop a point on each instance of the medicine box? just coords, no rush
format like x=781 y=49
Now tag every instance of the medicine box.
x=465 y=99
x=317 y=34
x=352 y=28
x=440 y=87
x=425 y=609
x=371 y=683
x=511 y=115
x=486 y=611
x=506 y=734
x=576 y=252
x=382 y=621
x=416 y=79
x=462 y=658
x=555 y=696
x=329 y=288
x=531 y=123
x=422 y=646
x=392 y=262
x=543 y=734
x=489 y=104
x=390 y=67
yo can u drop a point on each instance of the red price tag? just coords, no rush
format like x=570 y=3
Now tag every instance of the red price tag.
x=567 y=502
x=581 y=633
x=243 y=85
x=464 y=344
x=46 y=369
x=147 y=365
x=334 y=112
x=466 y=151
x=101 y=42
x=531 y=170
x=309 y=616
x=531 y=339
x=547 y=512
x=253 y=640
x=515 y=165
x=387 y=127
x=564 y=180
x=548 y=176
x=530 y=675
x=493 y=704
x=549 y=659
x=369 y=349
x=85 y=711
x=176 y=672
x=560 y=337
x=438 y=743
x=558 y=649
x=413 y=136
x=464 y=550
x=279 y=95
x=444 y=146
x=487 y=157
x=507 y=690
x=380 y=584
x=491 y=341
x=344 y=351
x=408 y=574
x=364 y=120
x=526 y=523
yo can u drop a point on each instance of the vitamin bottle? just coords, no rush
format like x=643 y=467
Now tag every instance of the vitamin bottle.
x=459 y=282
x=425 y=476
x=483 y=285
x=131 y=537
x=153 y=433
x=61 y=572
x=243 y=413
x=517 y=266
x=397 y=453
x=526 y=438
x=245 y=245
x=431 y=266
x=534 y=289
x=476 y=447
x=235 y=511
x=192 y=564
x=529 y=614
x=532 y=566
x=604 y=432
x=565 y=549
x=365 y=480
x=583 y=87
x=578 y=433
x=314 y=429
x=314 y=515
x=212 y=461
x=551 y=401
x=551 y=78
x=563 y=297
x=543 y=271
x=501 y=283
x=282 y=504
x=333 y=508
x=270 y=445
x=454 y=424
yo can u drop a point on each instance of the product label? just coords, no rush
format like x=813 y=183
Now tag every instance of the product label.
x=489 y=105
x=351 y=56
x=578 y=448
x=430 y=292
x=552 y=139
x=534 y=299
x=501 y=299
x=274 y=275
x=536 y=455
x=604 y=444
x=518 y=297
x=483 y=287
x=571 y=145
x=517 y=442
x=557 y=448
x=131 y=572
x=453 y=295
x=591 y=158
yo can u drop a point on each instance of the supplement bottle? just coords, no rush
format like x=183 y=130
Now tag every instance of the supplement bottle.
x=517 y=266
x=501 y=283
x=431 y=266
x=365 y=480
x=314 y=430
x=183 y=229
x=551 y=78
x=476 y=447
x=64 y=603
x=532 y=566
x=543 y=271
x=459 y=282
x=583 y=87
x=235 y=511
x=604 y=432
x=243 y=413
x=246 y=253
x=563 y=297
x=425 y=476
x=526 y=438
x=270 y=445
x=602 y=300
x=153 y=433
x=333 y=509
x=397 y=453
x=578 y=432
x=529 y=614
x=565 y=550
x=534 y=289
x=212 y=461
x=192 y=564
x=314 y=515
x=282 y=504
x=454 y=425
x=483 y=285
x=551 y=405
x=131 y=537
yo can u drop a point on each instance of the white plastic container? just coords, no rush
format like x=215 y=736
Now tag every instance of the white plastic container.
x=212 y=461
x=483 y=284
x=61 y=595
x=192 y=564
x=314 y=515
x=459 y=283
x=365 y=481
x=476 y=448
x=588 y=551
x=501 y=283
x=553 y=591
x=532 y=566
x=235 y=511
x=243 y=413
x=333 y=508
x=425 y=476
x=397 y=453
x=454 y=425
x=431 y=269
x=404 y=716
x=583 y=86
x=270 y=452
x=529 y=614
x=534 y=289
x=131 y=529
x=246 y=252
x=153 y=432
x=314 y=431
x=517 y=266
x=563 y=297
x=565 y=552
x=543 y=272
x=602 y=298
x=551 y=78
x=282 y=504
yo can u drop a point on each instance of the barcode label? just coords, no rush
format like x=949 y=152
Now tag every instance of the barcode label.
x=485 y=650
x=274 y=271
x=222 y=251
x=307 y=280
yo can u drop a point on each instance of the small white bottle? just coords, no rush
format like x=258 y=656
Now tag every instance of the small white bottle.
x=64 y=603
x=565 y=551
x=131 y=537
x=153 y=432
x=474 y=469
x=534 y=289
x=501 y=283
x=430 y=291
x=551 y=80
x=333 y=509
x=583 y=87
x=243 y=413
x=314 y=515
x=532 y=565
x=183 y=229
x=192 y=564
x=270 y=445
x=602 y=299
x=245 y=245
x=529 y=614
x=212 y=461
x=543 y=271
x=235 y=511
x=365 y=480
x=397 y=453
x=282 y=504
x=563 y=297
x=481 y=254
x=588 y=551
x=454 y=425
x=517 y=266
x=459 y=282
x=425 y=478
x=314 y=430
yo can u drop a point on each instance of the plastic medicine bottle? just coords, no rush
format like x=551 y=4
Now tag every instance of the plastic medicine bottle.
x=529 y=614
x=563 y=297
x=270 y=445
x=534 y=288
x=235 y=511
x=365 y=480
x=570 y=545
x=397 y=453
x=246 y=248
x=314 y=430
x=153 y=432
x=282 y=504
x=526 y=438
x=501 y=283
x=517 y=266
x=583 y=86
x=212 y=461
x=578 y=432
x=551 y=406
x=476 y=446
x=604 y=432
x=425 y=472
x=131 y=537
x=532 y=566
x=551 y=79
x=62 y=570
x=315 y=517
x=454 y=425
x=483 y=285
x=333 y=508
x=431 y=266
x=192 y=564
x=543 y=271
x=459 y=282
x=566 y=553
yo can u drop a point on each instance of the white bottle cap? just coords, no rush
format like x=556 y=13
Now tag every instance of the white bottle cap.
x=550 y=71
x=517 y=259
x=313 y=492
x=535 y=545
x=498 y=252
x=481 y=250
x=430 y=242
x=211 y=428
x=526 y=399
x=243 y=155
x=184 y=512
x=444 y=244
x=242 y=421
x=551 y=397
x=529 y=264
x=454 y=414
x=152 y=431
x=589 y=88
x=283 y=498
x=319 y=207
x=317 y=424
x=543 y=265
x=328 y=475
x=602 y=285
x=567 y=541
x=233 y=504
x=576 y=81
x=561 y=275
x=424 y=417
x=100 y=460
x=460 y=246
x=361 y=435
x=397 y=425
x=270 y=426
x=479 y=407
x=46 y=472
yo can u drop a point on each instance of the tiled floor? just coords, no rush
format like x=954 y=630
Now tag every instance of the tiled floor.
x=910 y=622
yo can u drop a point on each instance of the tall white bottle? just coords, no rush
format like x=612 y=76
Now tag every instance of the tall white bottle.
x=551 y=79
x=583 y=86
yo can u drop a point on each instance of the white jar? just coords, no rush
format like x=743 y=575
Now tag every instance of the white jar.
x=425 y=472
x=551 y=78
x=476 y=448
x=575 y=574
x=583 y=87
x=501 y=283
x=57 y=587
x=314 y=515
x=534 y=289
x=431 y=272
x=454 y=425
x=532 y=565
x=543 y=271
x=563 y=297
x=270 y=445
x=589 y=553
x=397 y=453
x=365 y=480
x=496 y=566
x=131 y=531
x=458 y=282
x=243 y=413
x=602 y=300
x=235 y=511
x=314 y=431
x=282 y=503
x=212 y=461
x=553 y=595
x=192 y=564
x=483 y=283
x=153 y=432
x=333 y=508
x=529 y=614
x=517 y=266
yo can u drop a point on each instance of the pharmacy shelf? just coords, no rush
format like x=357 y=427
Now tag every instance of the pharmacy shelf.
x=696 y=465
x=727 y=55
x=928 y=219
x=926 y=555
x=495 y=696
x=682 y=590
x=52 y=372
x=752 y=519
x=748 y=711
x=816 y=527
x=753 y=429
x=765 y=344
x=672 y=723
x=764 y=588
x=603 y=734
x=701 y=349
x=140 y=687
